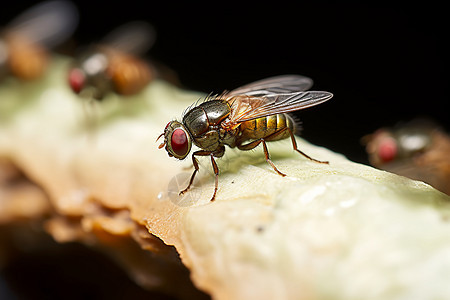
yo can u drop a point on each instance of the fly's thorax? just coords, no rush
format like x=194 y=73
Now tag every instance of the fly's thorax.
x=208 y=141
x=206 y=117
x=266 y=126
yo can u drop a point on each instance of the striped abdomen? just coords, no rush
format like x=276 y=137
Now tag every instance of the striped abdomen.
x=266 y=126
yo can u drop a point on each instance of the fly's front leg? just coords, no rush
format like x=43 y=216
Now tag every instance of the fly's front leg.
x=214 y=165
x=195 y=162
x=216 y=173
x=254 y=144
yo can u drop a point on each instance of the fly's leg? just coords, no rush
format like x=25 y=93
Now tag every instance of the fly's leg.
x=196 y=166
x=254 y=144
x=195 y=162
x=216 y=179
x=294 y=144
x=273 y=137
x=276 y=136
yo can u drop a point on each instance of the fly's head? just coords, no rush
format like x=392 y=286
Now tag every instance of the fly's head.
x=176 y=140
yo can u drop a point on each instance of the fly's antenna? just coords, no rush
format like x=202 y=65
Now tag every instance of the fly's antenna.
x=160 y=136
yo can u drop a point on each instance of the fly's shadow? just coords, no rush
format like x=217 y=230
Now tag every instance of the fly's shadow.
x=177 y=184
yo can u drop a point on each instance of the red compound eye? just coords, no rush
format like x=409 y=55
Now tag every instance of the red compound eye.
x=179 y=143
x=387 y=150
x=76 y=80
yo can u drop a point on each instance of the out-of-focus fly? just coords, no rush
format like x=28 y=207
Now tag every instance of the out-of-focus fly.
x=114 y=64
x=244 y=118
x=24 y=42
x=419 y=149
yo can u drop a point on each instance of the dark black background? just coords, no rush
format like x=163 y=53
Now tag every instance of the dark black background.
x=384 y=62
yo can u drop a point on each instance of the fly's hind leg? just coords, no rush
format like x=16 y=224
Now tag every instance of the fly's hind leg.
x=294 y=145
x=274 y=137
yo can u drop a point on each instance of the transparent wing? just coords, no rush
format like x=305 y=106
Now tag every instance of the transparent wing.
x=134 y=37
x=48 y=23
x=283 y=84
x=246 y=108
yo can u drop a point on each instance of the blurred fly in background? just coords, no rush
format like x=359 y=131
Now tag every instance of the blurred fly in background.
x=25 y=41
x=419 y=149
x=113 y=65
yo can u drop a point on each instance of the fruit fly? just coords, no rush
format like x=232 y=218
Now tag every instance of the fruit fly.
x=24 y=43
x=418 y=149
x=113 y=64
x=253 y=114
